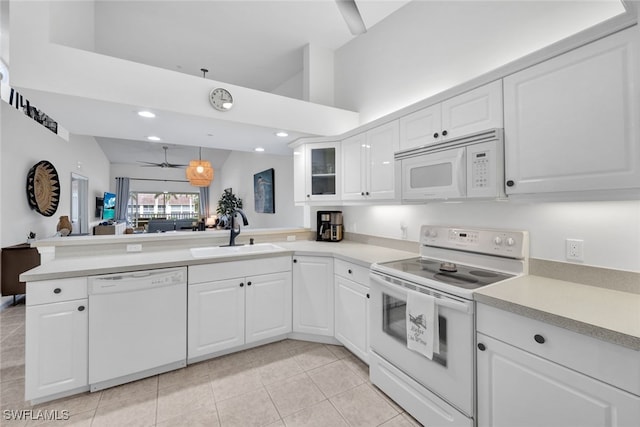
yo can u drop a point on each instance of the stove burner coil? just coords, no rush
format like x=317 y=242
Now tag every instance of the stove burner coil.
x=449 y=267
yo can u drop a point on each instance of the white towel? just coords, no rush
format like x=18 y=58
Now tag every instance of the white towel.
x=422 y=324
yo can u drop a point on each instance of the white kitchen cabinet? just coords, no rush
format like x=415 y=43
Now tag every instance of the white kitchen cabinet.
x=215 y=317
x=313 y=295
x=368 y=167
x=57 y=338
x=316 y=168
x=352 y=308
x=571 y=123
x=533 y=374
x=233 y=311
x=473 y=111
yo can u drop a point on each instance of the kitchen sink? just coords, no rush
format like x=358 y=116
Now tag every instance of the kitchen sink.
x=215 y=251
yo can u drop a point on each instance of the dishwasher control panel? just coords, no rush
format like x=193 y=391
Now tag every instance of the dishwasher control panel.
x=137 y=280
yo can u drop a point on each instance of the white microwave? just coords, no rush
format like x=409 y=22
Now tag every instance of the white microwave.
x=468 y=167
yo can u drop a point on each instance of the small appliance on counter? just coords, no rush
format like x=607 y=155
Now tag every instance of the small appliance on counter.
x=329 y=226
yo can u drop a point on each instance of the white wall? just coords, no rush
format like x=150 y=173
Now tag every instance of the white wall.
x=414 y=54
x=610 y=230
x=73 y=24
x=237 y=173
x=24 y=143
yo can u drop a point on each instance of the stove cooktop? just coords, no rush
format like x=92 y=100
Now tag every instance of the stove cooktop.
x=461 y=276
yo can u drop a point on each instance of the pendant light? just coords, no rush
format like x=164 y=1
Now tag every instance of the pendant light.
x=199 y=172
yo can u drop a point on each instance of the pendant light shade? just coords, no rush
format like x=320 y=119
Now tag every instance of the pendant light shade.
x=199 y=172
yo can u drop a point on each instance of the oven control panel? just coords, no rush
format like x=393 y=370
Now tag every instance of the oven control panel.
x=507 y=243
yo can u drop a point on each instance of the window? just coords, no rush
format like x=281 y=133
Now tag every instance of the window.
x=146 y=206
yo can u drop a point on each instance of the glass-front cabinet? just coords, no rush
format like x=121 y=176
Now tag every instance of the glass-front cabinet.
x=319 y=164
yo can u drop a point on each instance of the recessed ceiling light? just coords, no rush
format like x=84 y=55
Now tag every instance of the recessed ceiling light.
x=153 y=138
x=259 y=149
x=147 y=114
x=282 y=134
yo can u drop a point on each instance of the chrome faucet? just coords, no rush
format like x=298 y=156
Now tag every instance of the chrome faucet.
x=235 y=232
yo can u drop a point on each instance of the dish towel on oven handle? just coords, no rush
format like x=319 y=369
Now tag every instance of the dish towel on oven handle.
x=422 y=324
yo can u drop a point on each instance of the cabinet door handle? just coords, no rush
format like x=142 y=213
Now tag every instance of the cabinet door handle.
x=435 y=135
x=368 y=296
x=81 y=308
x=539 y=338
x=57 y=290
x=248 y=283
x=308 y=195
x=362 y=193
x=295 y=260
x=481 y=347
x=444 y=133
x=241 y=284
x=367 y=193
x=349 y=271
x=510 y=183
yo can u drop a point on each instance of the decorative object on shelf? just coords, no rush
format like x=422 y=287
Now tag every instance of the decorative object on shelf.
x=221 y=99
x=199 y=172
x=64 y=226
x=43 y=188
x=227 y=204
x=263 y=192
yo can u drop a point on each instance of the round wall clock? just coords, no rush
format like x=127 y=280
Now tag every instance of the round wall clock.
x=221 y=99
x=43 y=188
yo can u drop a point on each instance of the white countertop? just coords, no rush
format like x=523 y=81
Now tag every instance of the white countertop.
x=606 y=314
x=358 y=253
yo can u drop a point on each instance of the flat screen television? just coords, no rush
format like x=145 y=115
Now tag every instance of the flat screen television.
x=109 y=206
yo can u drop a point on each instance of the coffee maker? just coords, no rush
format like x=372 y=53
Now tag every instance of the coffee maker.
x=329 y=226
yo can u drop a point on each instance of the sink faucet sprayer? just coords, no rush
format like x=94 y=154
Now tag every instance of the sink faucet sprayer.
x=235 y=232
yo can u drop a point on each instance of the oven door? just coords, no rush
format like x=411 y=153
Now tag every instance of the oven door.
x=450 y=374
x=439 y=175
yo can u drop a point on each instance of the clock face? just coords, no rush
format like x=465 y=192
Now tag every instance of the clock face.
x=221 y=99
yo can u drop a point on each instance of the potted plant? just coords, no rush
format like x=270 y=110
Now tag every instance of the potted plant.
x=227 y=204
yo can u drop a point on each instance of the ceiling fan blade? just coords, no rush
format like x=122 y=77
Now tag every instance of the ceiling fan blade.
x=351 y=15
x=149 y=163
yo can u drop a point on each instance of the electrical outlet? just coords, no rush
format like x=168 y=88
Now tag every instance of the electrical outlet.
x=134 y=248
x=575 y=249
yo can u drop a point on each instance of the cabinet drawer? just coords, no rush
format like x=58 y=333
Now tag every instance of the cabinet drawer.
x=232 y=269
x=610 y=363
x=352 y=271
x=58 y=290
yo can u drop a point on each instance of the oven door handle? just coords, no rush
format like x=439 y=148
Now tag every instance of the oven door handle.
x=440 y=300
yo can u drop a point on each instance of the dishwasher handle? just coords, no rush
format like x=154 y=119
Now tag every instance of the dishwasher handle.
x=136 y=281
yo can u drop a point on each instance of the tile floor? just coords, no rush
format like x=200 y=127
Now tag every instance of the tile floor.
x=288 y=383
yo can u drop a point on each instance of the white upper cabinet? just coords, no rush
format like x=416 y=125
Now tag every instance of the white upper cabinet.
x=571 y=123
x=299 y=174
x=368 y=171
x=321 y=178
x=470 y=112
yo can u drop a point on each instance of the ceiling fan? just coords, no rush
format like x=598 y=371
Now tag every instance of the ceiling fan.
x=351 y=15
x=164 y=164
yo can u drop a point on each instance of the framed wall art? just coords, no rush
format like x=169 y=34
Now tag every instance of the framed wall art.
x=263 y=192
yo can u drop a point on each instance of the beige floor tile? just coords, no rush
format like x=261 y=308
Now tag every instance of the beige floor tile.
x=358 y=366
x=12 y=393
x=314 y=357
x=322 y=414
x=202 y=417
x=278 y=423
x=235 y=383
x=387 y=399
x=12 y=373
x=294 y=394
x=252 y=409
x=183 y=399
x=228 y=362
x=338 y=351
x=11 y=356
x=278 y=370
x=297 y=346
x=76 y=404
x=335 y=378
x=268 y=353
x=196 y=373
x=147 y=387
x=138 y=411
x=363 y=406
x=401 y=420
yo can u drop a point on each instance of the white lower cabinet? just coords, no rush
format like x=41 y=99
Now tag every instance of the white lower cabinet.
x=57 y=338
x=518 y=387
x=313 y=295
x=352 y=314
x=231 y=312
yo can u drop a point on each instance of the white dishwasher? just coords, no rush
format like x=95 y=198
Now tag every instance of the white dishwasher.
x=137 y=325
